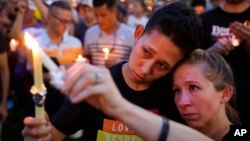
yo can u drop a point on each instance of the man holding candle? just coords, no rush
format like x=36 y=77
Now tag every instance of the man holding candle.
x=110 y=41
x=63 y=48
x=222 y=26
x=171 y=33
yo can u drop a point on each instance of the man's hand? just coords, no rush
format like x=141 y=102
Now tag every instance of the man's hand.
x=223 y=46
x=36 y=129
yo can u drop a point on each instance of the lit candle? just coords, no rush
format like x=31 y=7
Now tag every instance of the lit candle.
x=38 y=80
x=56 y=73
x=46 y=60
x=80 y=59
x=38 y=86
x=235 y=41
x=106 y=53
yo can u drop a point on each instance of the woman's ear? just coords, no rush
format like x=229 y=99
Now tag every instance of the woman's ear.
x=227 y=94
x=138 y=32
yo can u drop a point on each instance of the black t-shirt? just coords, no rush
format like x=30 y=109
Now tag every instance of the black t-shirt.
x=2 y=43
x=81 y=116
x=216 y=25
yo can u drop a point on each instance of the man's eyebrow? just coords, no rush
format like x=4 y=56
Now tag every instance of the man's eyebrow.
x=150 y=49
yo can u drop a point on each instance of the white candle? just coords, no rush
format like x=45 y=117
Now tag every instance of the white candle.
x=106 y=53
x=46 y=60
x=38 y=86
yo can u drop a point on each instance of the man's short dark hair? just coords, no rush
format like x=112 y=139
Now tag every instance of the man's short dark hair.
x=179 y=22
x=198 y=3
x=59 y=4
x=110 y=3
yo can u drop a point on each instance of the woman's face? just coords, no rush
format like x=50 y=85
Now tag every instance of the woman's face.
x=195 y=96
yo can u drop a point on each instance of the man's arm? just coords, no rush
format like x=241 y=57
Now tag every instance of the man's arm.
x=4 y=68
x=42 y=8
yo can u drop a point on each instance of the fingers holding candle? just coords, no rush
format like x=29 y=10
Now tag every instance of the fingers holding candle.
x=241 y=30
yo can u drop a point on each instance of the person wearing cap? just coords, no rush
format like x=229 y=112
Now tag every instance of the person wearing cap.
x=89 y=19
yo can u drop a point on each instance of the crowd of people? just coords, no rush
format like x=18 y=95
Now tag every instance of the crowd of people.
x=153 y=71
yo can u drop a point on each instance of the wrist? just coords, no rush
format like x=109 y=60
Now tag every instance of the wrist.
x=164 y=129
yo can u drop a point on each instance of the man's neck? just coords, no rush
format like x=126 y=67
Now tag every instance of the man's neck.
x=113 y=29
x=55 y=38
x=234 y=8
x=139 y=16
x=218 y=127
x=90 y=22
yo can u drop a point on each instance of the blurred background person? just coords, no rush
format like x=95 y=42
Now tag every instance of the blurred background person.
x=85 y=22
x=139 y=16
x=110 y=41
x=199 y=6
x=223 y=26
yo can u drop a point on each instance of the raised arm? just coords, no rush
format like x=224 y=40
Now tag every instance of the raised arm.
x=95 y=85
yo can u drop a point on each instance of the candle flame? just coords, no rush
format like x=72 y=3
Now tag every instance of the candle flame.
x=235 y=41
x=80 y=58
x=106 y=51
x=246 y=23
x=13 y=44
x=30 y=41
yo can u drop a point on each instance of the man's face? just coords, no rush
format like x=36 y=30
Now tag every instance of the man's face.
x=11 y=5
x=105 y=17
x=59 y=20
x=89 y=13
x=153 y=56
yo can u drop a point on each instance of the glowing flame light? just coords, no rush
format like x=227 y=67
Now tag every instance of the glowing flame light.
x=30 y=42
x=106 y=52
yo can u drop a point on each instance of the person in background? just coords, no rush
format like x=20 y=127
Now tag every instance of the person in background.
x=86 y=22
x=109 y=42
x=139 y=15
x=63 y=48
x=5 y=78
x=204 y=82
x=225 y=33
x=171 y=33
x=199 y=6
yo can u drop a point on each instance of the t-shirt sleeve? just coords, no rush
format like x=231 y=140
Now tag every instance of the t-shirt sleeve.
x=69 y=118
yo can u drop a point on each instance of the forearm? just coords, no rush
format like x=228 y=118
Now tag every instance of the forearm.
x=145 y=124
x=43 y=9
x=6 y=84
x=148 y=125
x=16 y=30
x=5 y=79
x=179 y=132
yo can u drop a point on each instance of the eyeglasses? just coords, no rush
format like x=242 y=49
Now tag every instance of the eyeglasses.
x=63 y=21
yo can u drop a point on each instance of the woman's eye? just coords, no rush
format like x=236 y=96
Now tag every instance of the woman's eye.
x=176 y=91
x=193 y=87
